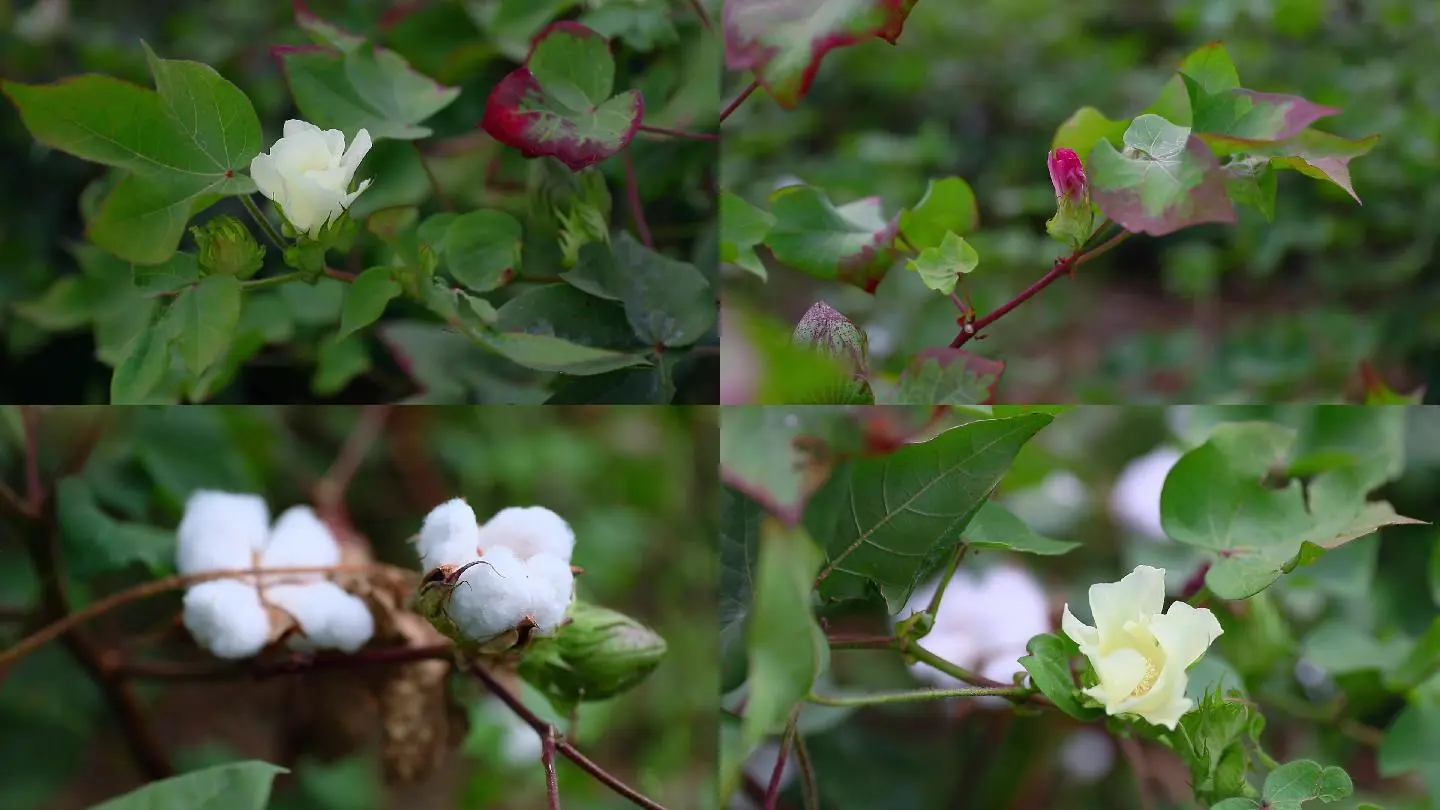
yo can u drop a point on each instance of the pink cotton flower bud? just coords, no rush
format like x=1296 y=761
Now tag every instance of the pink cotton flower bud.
x=1067 y=174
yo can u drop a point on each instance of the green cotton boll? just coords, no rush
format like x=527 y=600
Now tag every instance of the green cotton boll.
x=825 y=330
x=599 y=654
x=227 y=248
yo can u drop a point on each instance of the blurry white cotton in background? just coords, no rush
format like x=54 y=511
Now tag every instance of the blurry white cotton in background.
x=1054 y=506
x=1087 y=755
x=985 y=620
x=1135 y=498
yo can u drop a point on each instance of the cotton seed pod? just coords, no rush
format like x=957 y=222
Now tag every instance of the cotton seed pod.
x=825 y=330
x=227 y=248
x=599 y=654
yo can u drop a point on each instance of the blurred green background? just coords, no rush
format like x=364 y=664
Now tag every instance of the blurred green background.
x=1252 y=312
x=661 y=48
x=637 y=484
x=1308 y=648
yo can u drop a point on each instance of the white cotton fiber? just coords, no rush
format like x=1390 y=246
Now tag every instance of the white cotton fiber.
x=528 y=531
x=493 y=596
x=448 y=535
x=329 y=617
x=300 y=540
x=553 y=589
x=227 y=618
x=220 y=531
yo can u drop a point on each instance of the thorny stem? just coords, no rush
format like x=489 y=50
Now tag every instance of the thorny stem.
x=740 y=99
x=637 y=208
x=146 y=589
x=265 y=226
x=917 y=695
x=678 y=133
x=772 y=790
x=1062 y=267
x=552 y=780
x=562 y=745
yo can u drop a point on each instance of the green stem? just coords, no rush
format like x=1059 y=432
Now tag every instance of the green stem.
x=949 y=668
x=273 y=281
x=918 y=695
x=945 y=578
x=259 y=217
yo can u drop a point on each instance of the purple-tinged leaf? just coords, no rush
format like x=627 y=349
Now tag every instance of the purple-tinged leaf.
x=853 y=243
x=558 y=104
x=1165 y=180
x=1234 y=120
x=324 y=32
x=1320 y=155
x=783 y=41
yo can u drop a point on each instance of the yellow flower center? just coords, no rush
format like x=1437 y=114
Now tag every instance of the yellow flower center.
x=1148 y=682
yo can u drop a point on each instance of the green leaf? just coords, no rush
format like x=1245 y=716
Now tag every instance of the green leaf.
x=366 y=299
x=787 y=648
x=1253 y=186
x=548 y=353
x=566 y=312
x=172 y=275
x=780 y=456
x=853 y=243
x=947 y=209
x=324 y=32
x=888 y=521
x=234 y=786
x=559 y=104
x=1244 y=117
x=1210 y=738
x=1317 y=154
x=739 y=549
x=994 y=526
x=1294 y=783
x=1236 y=804
x=145 y=365
x=1087 y=127
x=100 y=544
x=742 y=227
x=202 y=321
x=1048 y=663
x=1209 y=65
x=1422 y=662
x=482 y=249
x=668 y=302
x=1410 y=744
x=362 y=89
x=940 y=267
x=216 y=117
x=783 y=42
x=1165 y=180
x=341 y=360
x=945 y=376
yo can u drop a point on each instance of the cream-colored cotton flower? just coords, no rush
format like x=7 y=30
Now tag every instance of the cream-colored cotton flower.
x=1139 y=653
x=308 y=172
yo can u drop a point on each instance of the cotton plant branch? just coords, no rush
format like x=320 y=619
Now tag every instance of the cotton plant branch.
x=294 y=664
x=772 y=790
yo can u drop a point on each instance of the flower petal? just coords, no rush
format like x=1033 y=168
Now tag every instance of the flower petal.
x=295 y=127
x=1119 y=672
x=1184 y=633
x=266 y=176
x=334 y=143
x=1136 y=597
x=1079 y=632
x=359 y=148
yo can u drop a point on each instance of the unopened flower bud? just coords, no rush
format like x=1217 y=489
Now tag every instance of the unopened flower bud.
x=825 y=330
x=227 y=248
x=1067 y=174
x=599 y=654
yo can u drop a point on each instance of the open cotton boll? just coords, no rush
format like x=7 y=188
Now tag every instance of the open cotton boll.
x=529 y=531
x=220 y=531
x=554 y=589
x=300 y=540
x=329 y=617
x=494 y=596
x=227 y=618
x=449 y=535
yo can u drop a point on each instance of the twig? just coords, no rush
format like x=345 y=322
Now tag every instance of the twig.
x=329 y=491
x=917 y=695
x=704 y=15
x=563 y=746
x=145 y=589
x=945 y=577
x=294 y=664
x=740 y=99
x=552 y=780
x=772 y=791
x=1062 y=267
x=440 y=195
x=810 y=793
x=34 y=487
x=678 y=133
x=256 y=214
x=637 y=208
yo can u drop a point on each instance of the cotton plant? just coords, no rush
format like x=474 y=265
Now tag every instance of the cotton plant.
x=504 y=590
x=237 y=617
x=308 y=173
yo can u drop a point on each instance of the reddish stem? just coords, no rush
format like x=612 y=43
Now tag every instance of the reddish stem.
x=637 y=208
x=740 y=99
x=772 y=792
x=552 y=780
x=702 y=14
x=679 y=133
x=34 y=488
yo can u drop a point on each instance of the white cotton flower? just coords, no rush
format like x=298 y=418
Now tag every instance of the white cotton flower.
x=308 y=172
x=329 y=617
x=220 y=531
x=1135 y=497
x=985 y=621
x=449 y=535
x=1140 y=654
x=300 y=539
x=227 y=618
x=529 y=531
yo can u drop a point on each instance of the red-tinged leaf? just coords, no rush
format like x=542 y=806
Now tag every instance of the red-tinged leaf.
x=559 y=103
x=946 y=376
x=890 y=427
x=853 y=243
x=783 y=41
x=1234 y=120
x=1320 y=155
x=1165 y=180
x=324 y=32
